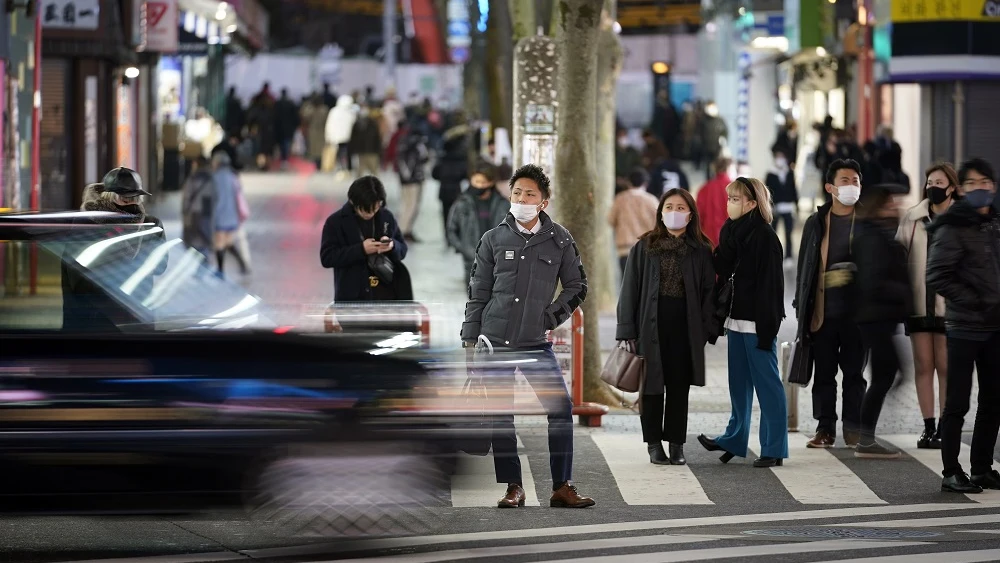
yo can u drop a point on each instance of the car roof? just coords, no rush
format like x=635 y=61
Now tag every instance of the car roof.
x=34 y=225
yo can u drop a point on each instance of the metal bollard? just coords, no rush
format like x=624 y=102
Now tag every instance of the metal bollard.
x=791 y=391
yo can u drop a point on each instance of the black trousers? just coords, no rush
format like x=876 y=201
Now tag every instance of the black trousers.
x=788 y=219
x=962 y=355
x=665 y=424
x=885 y=365
x=838 y=344
x=622 y=260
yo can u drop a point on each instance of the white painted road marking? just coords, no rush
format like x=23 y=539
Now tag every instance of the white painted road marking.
x=932 y=460
x=815 y=476
x=642 y=483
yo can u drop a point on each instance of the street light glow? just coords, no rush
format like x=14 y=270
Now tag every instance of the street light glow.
x=131 y=72
x=660 y=67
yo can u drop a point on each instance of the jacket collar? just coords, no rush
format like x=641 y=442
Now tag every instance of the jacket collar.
x=921 y=210
x=544 y=233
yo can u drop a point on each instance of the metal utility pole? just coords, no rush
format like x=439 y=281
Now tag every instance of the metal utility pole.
x=389 y=41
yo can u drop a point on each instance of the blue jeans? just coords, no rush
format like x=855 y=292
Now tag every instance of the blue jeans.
x=751 y=368
x=545 y=377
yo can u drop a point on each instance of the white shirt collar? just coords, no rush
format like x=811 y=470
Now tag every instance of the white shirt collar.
x=534 y=230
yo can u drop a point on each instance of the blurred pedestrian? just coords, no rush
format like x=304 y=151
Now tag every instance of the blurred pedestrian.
x=633 y=214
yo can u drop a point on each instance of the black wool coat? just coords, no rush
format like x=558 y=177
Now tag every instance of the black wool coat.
x=637 y=307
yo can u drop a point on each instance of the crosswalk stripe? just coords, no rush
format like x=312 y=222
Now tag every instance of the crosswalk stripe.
x=929 y=522
x=932 y=460
x=475 y=483
x=936 y=557
x=642 y=483
x=744 y=551
x=538 y=549
x=807 y=468
x=608 y=528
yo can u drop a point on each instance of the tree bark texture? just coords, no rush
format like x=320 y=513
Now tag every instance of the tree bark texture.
x=576 y=176
x=473 y=81
x=610 y=58
x=524 y=17
x=499 y=64
x=536 y=61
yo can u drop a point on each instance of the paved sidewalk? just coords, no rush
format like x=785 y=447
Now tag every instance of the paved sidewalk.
x=284 y=232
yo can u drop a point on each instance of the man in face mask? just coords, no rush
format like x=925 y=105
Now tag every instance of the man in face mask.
x=477 y=210
x=962 y=267
x=825 y=309
x=518 y=265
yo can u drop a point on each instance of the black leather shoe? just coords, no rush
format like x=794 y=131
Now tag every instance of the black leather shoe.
x=924 y=441
x=989 y=480
x=657 y=455
x=768 y=462
x=677 y=454
x=959 y=483
x=936 y=440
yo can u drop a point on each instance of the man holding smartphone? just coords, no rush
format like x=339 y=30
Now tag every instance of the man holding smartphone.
x=823 y=302
x=365 y=247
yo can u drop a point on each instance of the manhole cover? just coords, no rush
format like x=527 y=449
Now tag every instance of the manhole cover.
x=855 y=533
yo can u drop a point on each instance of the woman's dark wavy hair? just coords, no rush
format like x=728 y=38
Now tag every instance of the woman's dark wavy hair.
x=693 y=227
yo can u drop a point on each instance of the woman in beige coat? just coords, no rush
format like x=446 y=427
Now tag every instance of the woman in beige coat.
x=926 y=326
x=314 y=114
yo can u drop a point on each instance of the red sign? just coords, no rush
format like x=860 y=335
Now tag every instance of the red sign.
x=155 y=12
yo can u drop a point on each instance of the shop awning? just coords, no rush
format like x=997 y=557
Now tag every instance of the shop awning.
x=946 y=68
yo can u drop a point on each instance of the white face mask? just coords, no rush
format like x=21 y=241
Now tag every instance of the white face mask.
x=848 y=195
x=524 y=212
x=675 y=220
x=781 y=163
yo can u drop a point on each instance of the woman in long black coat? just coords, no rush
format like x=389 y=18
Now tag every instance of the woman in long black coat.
x=666 y=306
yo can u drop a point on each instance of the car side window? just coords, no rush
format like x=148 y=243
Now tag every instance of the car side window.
x=23 y=307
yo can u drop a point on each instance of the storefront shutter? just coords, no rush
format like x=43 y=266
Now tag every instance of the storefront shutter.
x=942 y=121
x=982 y=136
x=55 y=138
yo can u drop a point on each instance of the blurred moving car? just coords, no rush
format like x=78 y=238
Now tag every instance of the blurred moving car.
x=135 y=379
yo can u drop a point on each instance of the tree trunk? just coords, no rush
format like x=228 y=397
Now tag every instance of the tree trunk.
x=610 y=57
x=500 y=64
x=575 y=182
x=473 y=85
x=524 y=17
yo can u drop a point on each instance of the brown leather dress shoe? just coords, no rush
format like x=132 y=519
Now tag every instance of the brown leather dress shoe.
x=822 y=439
x=567 y=497
x=514 y=497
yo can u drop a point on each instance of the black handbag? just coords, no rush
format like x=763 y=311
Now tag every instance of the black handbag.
x=381 y=266
x=800 y=363
x=724 y=299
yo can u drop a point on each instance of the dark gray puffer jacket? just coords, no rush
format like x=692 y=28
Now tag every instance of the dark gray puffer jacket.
x=514 y=280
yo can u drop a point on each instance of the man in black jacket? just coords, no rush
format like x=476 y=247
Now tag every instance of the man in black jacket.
x=824 y=288
x=964 y=267
x=518 y=266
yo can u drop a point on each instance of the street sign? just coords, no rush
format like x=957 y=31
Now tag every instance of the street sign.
x=161 y=32
x=906 y=11
x=71 y=14
x=460 y=55
x=539 y=119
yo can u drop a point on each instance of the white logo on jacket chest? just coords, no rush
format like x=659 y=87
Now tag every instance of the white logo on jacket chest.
x=508 y=255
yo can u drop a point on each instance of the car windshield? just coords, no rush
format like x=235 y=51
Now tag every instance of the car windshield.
x=118 y=278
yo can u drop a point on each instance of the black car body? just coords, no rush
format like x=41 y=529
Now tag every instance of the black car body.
x=172 y=390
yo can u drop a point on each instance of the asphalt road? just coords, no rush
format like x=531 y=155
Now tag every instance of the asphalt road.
x=822 y=506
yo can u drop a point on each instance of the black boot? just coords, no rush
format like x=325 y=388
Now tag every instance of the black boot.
x=710 y=445
x=656 y=454
x=677 y=454
x=765 y=461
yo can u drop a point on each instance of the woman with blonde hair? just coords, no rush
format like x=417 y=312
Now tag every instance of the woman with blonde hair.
x=751 y=303
x=667 y=306
x=926 y=326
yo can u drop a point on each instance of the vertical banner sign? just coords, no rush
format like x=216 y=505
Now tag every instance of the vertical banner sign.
x=125 y=154
x=160 y=26
x=90 y=130
x=459 y=31
x=743 y=108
